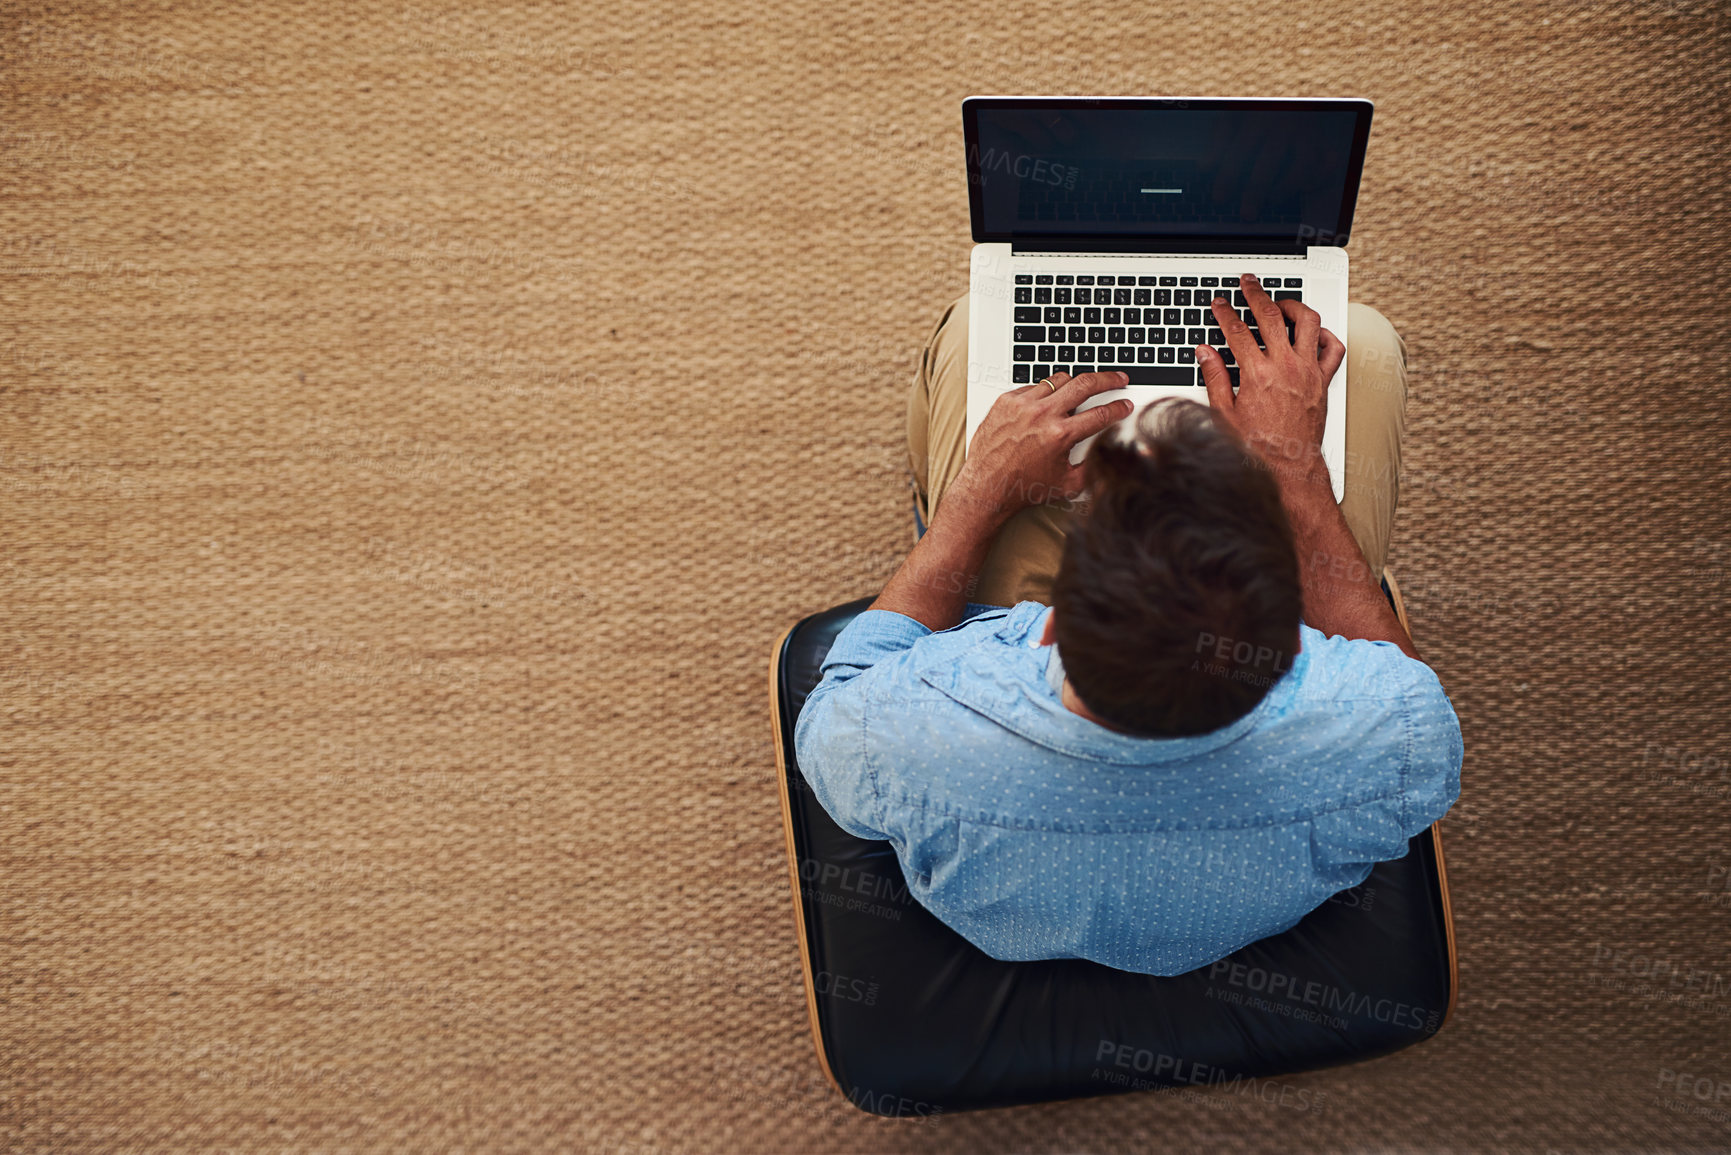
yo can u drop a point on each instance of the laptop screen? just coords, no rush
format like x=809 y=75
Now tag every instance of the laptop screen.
x=1128 y=168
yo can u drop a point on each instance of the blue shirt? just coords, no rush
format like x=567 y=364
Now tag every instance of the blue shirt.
x=1038 y=834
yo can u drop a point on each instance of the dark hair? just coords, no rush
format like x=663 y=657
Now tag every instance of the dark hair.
x=1178 y=600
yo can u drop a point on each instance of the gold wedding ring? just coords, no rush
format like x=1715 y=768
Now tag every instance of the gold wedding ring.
x=1048 y=384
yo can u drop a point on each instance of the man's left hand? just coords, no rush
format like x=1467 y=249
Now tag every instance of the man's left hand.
x=1020 y=454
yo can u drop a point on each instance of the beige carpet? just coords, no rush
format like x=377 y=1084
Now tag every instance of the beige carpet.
x=416 y=425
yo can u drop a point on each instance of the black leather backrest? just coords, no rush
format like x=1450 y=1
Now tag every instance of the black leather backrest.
x=914 y=1020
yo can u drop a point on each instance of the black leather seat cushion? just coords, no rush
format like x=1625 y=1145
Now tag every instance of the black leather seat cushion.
x=914 y=1020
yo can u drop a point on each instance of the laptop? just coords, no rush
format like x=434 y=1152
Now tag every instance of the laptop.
x=1105 y=227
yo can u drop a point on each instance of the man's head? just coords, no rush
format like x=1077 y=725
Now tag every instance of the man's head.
x=1178 y=601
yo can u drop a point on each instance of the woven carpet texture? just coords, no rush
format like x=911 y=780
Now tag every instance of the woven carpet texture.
x=417 y=423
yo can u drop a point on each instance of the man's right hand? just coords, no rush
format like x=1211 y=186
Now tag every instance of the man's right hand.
x=1282 y=400
x=1280 y=410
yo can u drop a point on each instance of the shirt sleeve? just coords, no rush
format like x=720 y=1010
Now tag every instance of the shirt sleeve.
x=870 y=638
x=1432 y=776
x=829 y=740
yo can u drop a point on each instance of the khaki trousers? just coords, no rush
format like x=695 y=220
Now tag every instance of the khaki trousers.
x=1023 y=561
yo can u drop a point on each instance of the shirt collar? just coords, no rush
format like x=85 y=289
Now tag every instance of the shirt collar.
x=1055 y=673
x=1022 y=690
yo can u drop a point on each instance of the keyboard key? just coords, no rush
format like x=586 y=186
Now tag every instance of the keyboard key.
x=1134 y=317
x=1023 y=296
x=1181 y=296
x=1196 y=336
x=1187 y=356
x=1072 y=316
x=1090 y=316
x=1066 y=352
x=1160 y=375
x=1232 y=372
x=1096 y=334
x=1024 y=278
x=1138 y=335
x=1288 y=295
x=1028 y=316
x=1061 y=296
x=1060 y=369
x=1156 y=336
x=1106 y=355
x=1126 y=354
x=1042 y=296
x=1293 y=283
x=1123 y=296
x=1210 y=282
x=1216 y=337
x=1079 y=368
x=1238 y=300
x=1033 y=333
x=1173 y=316
x=1048 y=352
x=1162 y=296
x=1144 y=296
x=1084 y=353
x=1084 y=279
x=1054 y=315
x=1169 y=282
x=1114 y=317
x=1226 y=355
x=1271 y=282
x=1187 y=282
x=1167 y=353
x=1145 y=355
x=1103 y=280
x=1041 y=372
x=1193 y=316
x=1144 y=281
x=1076 y=334
x=1066 y=279
x=1019 y=374
x=1023 y=353
x=1115 y=334
x=1043 y=279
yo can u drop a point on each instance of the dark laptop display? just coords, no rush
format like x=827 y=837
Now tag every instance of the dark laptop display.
x=1164 y=168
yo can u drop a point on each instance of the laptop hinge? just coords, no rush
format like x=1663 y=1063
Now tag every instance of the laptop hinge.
x=1293 y=246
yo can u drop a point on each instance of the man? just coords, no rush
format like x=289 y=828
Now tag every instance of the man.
x=1200 y=717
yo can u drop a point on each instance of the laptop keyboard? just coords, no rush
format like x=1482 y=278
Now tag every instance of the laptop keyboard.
x=1146 y=327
